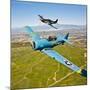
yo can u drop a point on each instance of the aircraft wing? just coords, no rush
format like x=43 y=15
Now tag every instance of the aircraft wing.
x=34 y=36
x=61 y=59
x=52 y=26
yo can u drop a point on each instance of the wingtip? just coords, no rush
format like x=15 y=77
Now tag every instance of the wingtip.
x=39 y=15
x=84 y=72
x=26 y=26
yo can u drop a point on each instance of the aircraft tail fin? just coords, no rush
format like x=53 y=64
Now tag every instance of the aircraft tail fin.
x=56 y=21
x=66 y=36
x=62 y=39
x=66 y=39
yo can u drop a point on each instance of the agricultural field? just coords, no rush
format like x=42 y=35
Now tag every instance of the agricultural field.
x=33 y=69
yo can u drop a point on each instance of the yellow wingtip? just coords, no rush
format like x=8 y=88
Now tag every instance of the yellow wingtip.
x=79 y=71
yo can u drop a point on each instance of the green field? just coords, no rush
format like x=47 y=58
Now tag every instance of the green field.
x=33 y=69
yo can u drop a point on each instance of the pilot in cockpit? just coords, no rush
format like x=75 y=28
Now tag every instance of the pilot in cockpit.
x=52 y=38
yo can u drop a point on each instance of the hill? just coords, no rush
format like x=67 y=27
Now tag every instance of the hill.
x=33 y=69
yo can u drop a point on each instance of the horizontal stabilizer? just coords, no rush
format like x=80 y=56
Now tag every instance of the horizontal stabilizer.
x=67 y=41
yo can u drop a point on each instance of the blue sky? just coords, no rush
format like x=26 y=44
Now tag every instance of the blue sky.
x=26 y=13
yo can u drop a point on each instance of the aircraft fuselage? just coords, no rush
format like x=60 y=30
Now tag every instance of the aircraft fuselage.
x=43 y=43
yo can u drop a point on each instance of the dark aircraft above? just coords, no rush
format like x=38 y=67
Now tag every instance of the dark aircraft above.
x=48 y=21
x=45 y=46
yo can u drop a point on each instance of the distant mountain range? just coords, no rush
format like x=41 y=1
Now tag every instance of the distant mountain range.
x=59 y=26
x=48 y=28
x=76 y=32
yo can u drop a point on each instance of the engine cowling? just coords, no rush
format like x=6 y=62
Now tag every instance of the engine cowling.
x=40 y=44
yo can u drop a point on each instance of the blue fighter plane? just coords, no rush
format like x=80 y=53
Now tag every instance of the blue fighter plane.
x=46 y=45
